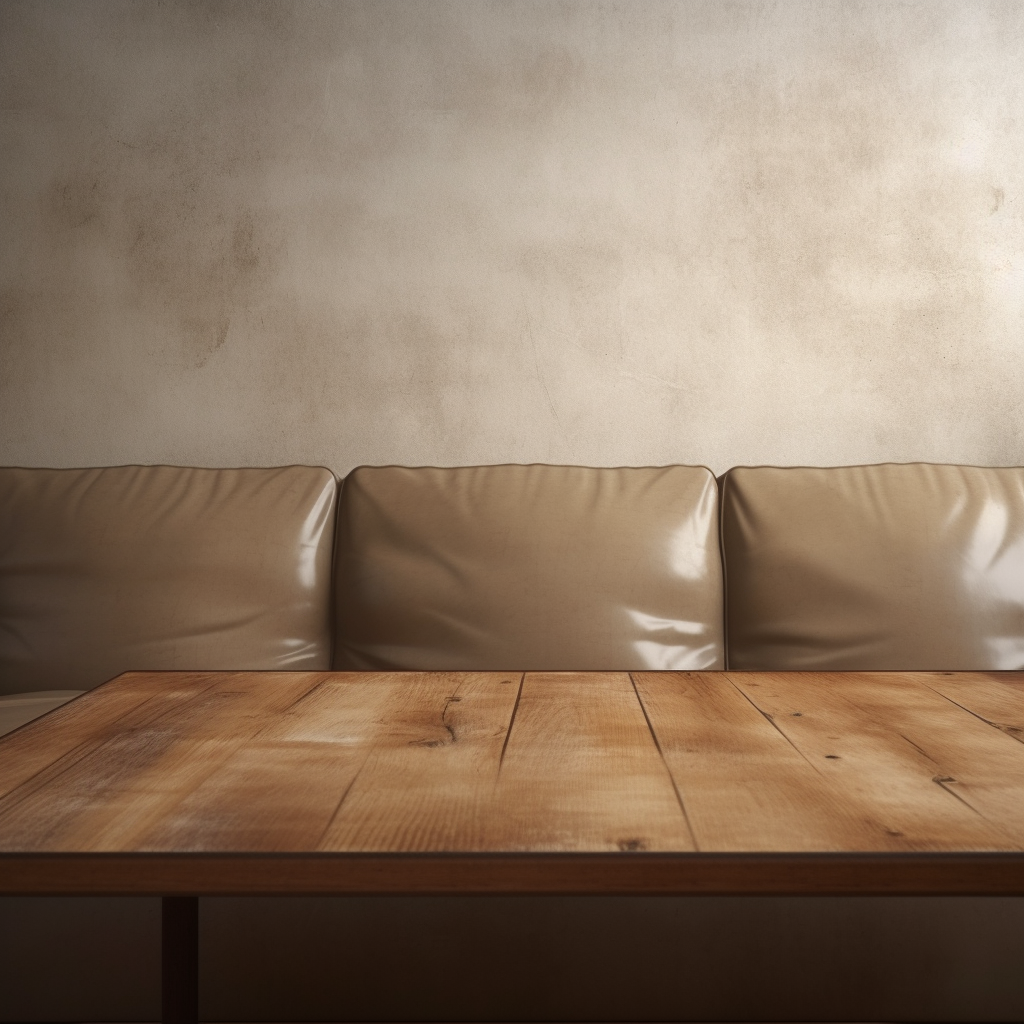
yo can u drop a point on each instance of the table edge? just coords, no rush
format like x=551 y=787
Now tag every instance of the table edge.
x=253 y=874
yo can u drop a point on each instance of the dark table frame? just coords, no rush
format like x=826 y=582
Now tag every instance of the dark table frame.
x=180 y=879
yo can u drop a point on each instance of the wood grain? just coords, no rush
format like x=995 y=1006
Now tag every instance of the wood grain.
x=280 y=790
x=71 y=731
x=744 y=785
x=178 y=783
x=896 y=753
x=582 y=771
x=428 y=780
x=997 y=698
x=136 y=768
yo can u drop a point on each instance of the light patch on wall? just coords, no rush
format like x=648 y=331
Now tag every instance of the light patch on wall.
x=971 y=149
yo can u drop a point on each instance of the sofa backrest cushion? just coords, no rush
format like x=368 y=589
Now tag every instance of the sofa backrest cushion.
x=157 y=567
x=528 y=567
x=874 y=567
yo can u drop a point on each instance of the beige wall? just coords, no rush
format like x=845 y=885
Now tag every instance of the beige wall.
x=429 y=232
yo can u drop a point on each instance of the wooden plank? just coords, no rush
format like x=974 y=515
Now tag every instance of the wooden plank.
x=144 y=765
x=888 y=744
x=71 y=731
x=279 y=790
x=744 y=785
x=995 y=697
x=976 y=763
x=283 y=789
x=427 y=783
x=582 y=772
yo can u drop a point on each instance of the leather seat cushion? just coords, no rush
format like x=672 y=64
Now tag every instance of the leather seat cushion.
x=159 y=567
x=874 y=567
x=528 y=567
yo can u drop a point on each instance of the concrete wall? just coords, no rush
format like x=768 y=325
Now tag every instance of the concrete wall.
x=458 y=232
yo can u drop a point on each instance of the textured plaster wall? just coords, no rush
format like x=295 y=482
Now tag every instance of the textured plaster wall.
x=459 y=232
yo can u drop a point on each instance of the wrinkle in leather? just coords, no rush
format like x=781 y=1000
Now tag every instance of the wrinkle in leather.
x=161 y=567
x=875 y=567
x=528 y=567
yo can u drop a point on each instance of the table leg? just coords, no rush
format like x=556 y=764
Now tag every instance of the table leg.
x=180 y=960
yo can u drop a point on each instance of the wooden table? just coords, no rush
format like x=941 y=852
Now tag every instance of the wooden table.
x=189 y=784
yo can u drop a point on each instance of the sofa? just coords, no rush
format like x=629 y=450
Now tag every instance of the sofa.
x=511 y=567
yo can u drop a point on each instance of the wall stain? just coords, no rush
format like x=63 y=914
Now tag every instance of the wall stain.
x=74 y=202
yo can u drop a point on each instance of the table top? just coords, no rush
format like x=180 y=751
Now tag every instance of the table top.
x=644 y=782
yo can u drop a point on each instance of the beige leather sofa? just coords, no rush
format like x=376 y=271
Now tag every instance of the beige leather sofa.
x=874 y=567
x=104 y=570
x=511 y=567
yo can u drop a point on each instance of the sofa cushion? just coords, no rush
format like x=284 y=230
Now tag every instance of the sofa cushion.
x=874 y=567
x=528 y=567
x=157 y=567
